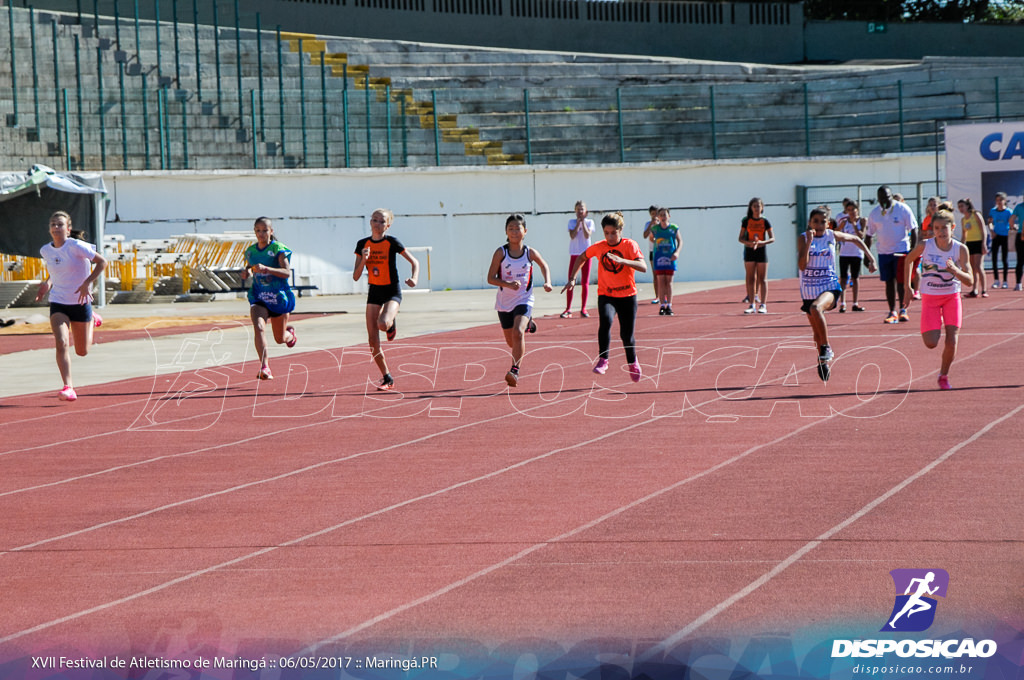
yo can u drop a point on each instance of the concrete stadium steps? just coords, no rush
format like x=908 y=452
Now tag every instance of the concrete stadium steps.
x=11 y=292
x=666 y=103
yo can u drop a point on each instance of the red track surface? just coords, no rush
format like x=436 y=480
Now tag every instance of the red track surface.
x=730 y=491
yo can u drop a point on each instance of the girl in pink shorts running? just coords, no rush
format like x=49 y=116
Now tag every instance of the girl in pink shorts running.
x=945 y=267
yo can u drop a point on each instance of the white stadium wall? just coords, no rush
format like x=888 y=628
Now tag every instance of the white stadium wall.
x=460 y=212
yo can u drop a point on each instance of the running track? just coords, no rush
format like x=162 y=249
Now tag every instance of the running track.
x=730 y=492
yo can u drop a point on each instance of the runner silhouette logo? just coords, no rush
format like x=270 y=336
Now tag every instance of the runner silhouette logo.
x=609 y=264
x=916 y=590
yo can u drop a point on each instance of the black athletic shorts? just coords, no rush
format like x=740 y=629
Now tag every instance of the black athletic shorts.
x=381 y=295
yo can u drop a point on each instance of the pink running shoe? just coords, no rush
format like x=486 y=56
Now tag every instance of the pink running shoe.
x=67 y=394
x=265 y=373
x=634 y=371
x=97 y=320
x=601 y=367
x=944 y=383
x=295 y=337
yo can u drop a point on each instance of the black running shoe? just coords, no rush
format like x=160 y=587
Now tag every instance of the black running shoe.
x=531 y=327
x=824 y=372
x=393 y=331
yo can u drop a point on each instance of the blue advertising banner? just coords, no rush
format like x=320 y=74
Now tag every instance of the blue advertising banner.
x=984 y=160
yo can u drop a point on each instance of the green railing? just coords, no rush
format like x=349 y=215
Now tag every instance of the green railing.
x=117 y=105
x=157 y=130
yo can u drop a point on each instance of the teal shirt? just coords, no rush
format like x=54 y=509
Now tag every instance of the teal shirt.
x=666 y=240
x=273 y=291
x=1018 y=212
x=1000 y=221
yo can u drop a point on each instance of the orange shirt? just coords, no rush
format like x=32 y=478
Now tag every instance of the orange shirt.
x=381 y=267
x=614 y=279
x=756 y=227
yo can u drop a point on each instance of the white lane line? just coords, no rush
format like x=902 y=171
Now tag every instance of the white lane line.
x=465 y=580
x=707 y=616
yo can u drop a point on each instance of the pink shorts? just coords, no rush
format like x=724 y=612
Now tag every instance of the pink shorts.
x=941 y=310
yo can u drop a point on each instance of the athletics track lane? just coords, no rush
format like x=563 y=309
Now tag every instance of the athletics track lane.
x=558 y=538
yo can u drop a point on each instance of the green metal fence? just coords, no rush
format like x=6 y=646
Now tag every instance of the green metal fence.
x=103 y=97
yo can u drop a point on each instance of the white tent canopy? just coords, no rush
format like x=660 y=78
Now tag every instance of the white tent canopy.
x=28 y=199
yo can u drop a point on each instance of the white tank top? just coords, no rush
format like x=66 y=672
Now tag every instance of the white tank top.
x=819 y=275
x=935 y=278
x=847 y=249
x=515 y=269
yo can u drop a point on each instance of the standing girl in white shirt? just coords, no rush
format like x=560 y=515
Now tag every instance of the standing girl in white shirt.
x=580 y=229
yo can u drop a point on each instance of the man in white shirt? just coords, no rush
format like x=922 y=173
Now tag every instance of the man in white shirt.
x=893 y=226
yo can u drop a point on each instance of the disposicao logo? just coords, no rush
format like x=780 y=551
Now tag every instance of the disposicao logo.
x=915 y=605
x=914 y=611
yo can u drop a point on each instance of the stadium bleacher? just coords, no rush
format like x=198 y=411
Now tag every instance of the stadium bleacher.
x=110 y=105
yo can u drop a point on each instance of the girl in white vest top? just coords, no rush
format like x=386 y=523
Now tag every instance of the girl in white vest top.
x=819 y=280
x=512 y=272
x=945 y=268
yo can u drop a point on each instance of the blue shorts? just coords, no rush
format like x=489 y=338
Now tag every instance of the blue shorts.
x=75 y=313
x=891 y=266
x=508 y=319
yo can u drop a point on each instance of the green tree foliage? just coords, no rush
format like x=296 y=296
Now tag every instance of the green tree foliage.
x=916 y=10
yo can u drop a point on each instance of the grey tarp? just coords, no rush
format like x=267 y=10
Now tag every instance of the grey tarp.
x=28 y=200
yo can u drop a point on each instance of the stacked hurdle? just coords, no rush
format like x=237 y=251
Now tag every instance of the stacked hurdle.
x=214 y=261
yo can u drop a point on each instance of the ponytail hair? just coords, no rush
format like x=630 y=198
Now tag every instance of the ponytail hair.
x=944 y=217
x=613 y=219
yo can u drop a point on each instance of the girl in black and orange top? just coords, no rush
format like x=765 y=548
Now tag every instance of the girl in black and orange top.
x=755 y=234
x=618 y=261
x=378 y=254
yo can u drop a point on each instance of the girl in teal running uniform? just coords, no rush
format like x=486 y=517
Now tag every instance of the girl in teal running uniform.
x=270 y=297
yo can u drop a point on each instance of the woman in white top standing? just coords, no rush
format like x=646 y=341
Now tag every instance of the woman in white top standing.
x=580 y=229
x=73 y=266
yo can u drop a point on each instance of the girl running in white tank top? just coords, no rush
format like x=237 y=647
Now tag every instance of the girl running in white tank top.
x=512 y=272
